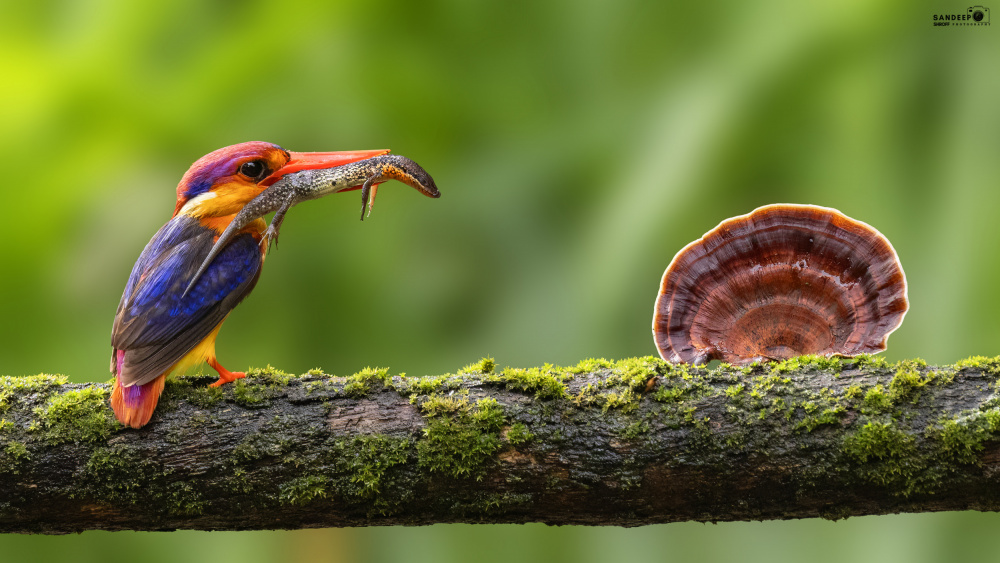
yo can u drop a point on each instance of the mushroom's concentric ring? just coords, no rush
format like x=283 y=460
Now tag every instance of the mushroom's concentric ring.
x=781 y=281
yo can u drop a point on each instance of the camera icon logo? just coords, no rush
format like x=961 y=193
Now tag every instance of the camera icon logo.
x=980 y=14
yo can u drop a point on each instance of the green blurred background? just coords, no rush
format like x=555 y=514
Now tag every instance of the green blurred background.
x=578 y=145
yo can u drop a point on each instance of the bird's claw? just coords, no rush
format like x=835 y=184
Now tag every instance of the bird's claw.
x=228 y=377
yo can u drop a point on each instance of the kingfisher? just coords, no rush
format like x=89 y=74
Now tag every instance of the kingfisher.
x=164 y=326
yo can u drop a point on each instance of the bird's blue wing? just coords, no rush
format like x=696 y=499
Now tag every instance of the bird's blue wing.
x=155 y=326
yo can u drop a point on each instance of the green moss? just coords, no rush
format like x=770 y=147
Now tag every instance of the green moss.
x=907 y=382
x=671 y=394
x=255 y=390
x=889 y=456
x=519 y=434
x=426 y=385
x=878 y=441
x=589 y=394
x=305 y=464
x=634 y=430
x=853 y=391
x=14 y=455
x=356 y=389
x=492 y=503
x=766 y=396
x=125 y=475
x=9 y=386
x=315 y=371
x=590 y=365
x=835 y=513
x=488 y=414
x=205 y=396
x=909 y=379
x=625 y=400
x=181 y=498
x=441 y=405
x=689 y=419
x=274 y=439
x=359 y=384
x=831 y=415
x=484 y=365
x=367 y=461
x=81 y=415
x=869 y=361
x=17 y=451
x=269 y=375
x=675 y=390
x=269 y=442
x=635 y=373
x=986 y=364
x=962 y=439
x=666 y=394
x=303 y=490
x=677 y=371
x=357 y=469
x=322 y=385
x=238 y=481
x=250 y=394
x=770 y=407
x=876 y=400
x=764 y=384
x=120 y=475
x=943 y=376
x=735 y=392
x=459 y=438
x=823 y=363
x=546 y=382
x=549 y=381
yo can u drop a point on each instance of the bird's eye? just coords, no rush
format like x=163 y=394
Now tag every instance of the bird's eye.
x=253 y=169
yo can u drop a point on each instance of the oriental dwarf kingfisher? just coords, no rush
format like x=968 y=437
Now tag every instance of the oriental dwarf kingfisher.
x=158 y=329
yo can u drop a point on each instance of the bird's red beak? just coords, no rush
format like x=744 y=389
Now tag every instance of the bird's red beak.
x=317 y=160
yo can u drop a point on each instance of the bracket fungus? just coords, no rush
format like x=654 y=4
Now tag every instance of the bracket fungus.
x=782 y=281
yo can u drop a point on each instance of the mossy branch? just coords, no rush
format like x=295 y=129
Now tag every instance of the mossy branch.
x=632 y=442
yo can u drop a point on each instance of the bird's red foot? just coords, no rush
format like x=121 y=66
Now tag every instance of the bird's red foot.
x=225 y=376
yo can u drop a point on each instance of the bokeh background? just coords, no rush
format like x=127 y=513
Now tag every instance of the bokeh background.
x=578 y=145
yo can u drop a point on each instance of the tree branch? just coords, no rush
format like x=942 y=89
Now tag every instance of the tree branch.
x=623 y=443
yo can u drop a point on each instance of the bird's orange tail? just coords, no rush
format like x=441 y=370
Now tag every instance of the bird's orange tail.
x=134 y=405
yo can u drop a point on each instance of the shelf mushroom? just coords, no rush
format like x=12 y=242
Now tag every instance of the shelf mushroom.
x=782 y=281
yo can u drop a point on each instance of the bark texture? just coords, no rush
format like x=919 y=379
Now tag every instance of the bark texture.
x=625 y=443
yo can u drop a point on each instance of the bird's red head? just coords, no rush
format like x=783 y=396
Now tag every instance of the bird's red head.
x=223 y=181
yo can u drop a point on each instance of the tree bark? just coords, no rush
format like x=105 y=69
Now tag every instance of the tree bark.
x=625 y=443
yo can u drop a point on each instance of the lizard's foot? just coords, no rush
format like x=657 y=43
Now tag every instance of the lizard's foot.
x=270 y=237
